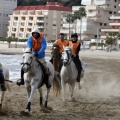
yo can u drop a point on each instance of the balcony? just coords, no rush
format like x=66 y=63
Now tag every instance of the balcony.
x=94 y=15
x=23 y=12
x=115 y=17
x=93 y=7
x=32 y=12
x=87 y=32
x=114 y=24
x=16 y=12
x=40 y=21
x=107 y=8
x=109 y=30
x=97 y=20
x=66 y=31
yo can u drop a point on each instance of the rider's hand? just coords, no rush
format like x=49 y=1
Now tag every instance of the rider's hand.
x=36 y=55
x=73 y=55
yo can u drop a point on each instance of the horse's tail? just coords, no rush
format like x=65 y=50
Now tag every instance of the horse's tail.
x=56 y=84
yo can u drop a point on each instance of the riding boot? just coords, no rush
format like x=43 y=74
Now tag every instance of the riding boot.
x=46 y=80
x=2 y=82
x=21 y=81
x=79 y=68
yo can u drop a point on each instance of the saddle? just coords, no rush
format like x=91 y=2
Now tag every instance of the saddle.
x=45 y=76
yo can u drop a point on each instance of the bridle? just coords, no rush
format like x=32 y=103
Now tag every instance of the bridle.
x=66 y=59
x=28 y=64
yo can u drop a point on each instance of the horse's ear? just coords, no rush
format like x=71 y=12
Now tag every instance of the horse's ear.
x=28 y=50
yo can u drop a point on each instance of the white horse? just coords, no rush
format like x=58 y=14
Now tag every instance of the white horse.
x=6 y=77
x=68 y=72
x=33 y=76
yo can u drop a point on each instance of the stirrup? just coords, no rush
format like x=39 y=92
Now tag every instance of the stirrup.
x=20 y=82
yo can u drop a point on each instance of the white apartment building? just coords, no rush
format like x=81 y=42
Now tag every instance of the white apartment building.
x=115 y=20
x=6 y=8
x=48 y=18
x=98 y=17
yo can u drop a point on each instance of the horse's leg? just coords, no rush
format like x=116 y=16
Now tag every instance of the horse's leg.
x=1 y=98
x=46 y=98
x=72 y=90
x=28 y=88
x=33 y=89
x=63 y=89
x=41 y=97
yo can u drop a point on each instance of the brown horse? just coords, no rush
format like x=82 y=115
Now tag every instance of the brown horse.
x=55 y=57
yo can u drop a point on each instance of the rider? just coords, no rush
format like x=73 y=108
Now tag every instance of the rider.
x=38 y=44
x=2 y=81
x=75 y=44
x=61 y=43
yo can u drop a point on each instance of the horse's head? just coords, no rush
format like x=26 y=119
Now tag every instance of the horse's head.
x=66 y=55
x=55 y=51
x=27 y=60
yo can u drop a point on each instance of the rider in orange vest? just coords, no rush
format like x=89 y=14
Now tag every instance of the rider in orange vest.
x=61 y=43
x=38 y=44
x=75 y=44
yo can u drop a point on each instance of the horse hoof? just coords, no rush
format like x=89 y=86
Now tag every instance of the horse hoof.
x=44 y=110
x=73 y=99
x=25 y=113
x=49 y=108
x=79 y=87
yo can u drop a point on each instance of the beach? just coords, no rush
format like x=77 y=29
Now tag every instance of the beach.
x=99 y=98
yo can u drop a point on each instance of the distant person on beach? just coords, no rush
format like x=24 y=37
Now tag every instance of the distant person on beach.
x=38 y=44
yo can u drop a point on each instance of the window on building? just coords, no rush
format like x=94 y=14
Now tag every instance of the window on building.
x=105 y=24
x=15 y=18
x=110 y=12
x=115 y=6
x=100 y=24
x=114 y=12
x=115 y=0
x=95 y=36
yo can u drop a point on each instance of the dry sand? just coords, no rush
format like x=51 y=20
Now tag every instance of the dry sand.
x=99 y=98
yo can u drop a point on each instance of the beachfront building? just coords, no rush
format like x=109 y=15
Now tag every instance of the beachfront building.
x=98 y=17
x=6 y=8
x=114 y=25
x=48 y=18
x=101 y=11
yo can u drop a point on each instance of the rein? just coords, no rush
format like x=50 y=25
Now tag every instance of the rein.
x=26 y=63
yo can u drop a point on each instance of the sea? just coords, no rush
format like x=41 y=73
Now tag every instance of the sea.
x=13 y=63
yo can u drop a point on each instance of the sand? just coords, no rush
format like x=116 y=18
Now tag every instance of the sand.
x=99 y=98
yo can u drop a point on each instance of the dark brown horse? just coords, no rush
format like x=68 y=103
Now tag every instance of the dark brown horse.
x=55 y=56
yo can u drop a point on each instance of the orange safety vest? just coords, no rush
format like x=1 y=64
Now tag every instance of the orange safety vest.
x=36 y=44
x=74 y=46
x=61 y=44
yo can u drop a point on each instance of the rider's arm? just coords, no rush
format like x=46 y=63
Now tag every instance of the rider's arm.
x=29 y=42
x=43 y=46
